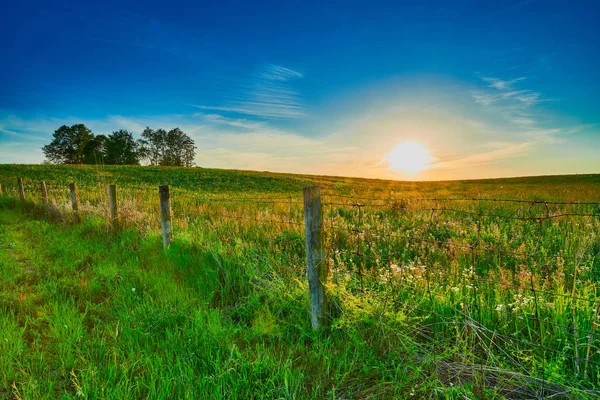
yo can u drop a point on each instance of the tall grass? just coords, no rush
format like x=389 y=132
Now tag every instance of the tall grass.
x=430 y=297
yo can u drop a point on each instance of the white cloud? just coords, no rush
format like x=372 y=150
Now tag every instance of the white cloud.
x=470 y=136
x=500 y=84
x=267 y=94
x=20 y=153
x=278 y=73
x=508 y=150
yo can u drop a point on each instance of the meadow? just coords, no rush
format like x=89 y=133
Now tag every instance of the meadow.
x=453 y=290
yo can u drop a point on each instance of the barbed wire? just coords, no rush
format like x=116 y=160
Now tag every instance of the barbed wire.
x=388 y=237
x=492 y=331
x=469 y=199
x=262 y=220
x=478 y=248
x=546 y=217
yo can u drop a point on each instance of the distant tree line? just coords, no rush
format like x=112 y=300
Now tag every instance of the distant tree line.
x=77 y=144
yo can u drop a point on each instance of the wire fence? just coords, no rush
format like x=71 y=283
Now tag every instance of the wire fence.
x=503 y=284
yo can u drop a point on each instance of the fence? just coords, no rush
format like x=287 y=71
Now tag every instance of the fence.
x=514 y=280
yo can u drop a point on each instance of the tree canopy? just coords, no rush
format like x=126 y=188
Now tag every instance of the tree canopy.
x=69 y=145
x=173 y=148
x=93 y=152
x=77 y=144
x=120 y=148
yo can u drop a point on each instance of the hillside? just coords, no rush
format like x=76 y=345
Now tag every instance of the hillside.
x=214 y=181
x=431 y=293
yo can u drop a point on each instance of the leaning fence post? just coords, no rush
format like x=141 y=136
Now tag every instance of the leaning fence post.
x=317 y=270
x=21 y=190
x=165 y=215
x=44 y=193
x=112 y=194
x=74 y=199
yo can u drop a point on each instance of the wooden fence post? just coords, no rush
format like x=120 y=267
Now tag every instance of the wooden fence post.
x=317 y=270
x=165 y=215
x=21 y=190
x=44 y=193
x=112 y=194
x=74 y=199
x=0 y=189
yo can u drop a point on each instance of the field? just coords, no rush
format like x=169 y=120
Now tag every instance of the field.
x=452 y=290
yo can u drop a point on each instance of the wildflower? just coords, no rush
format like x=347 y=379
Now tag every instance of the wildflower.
x=455 y=289
x=133 y=289
x=500 y=307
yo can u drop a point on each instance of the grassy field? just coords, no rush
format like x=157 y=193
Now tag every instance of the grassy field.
x=431 y=297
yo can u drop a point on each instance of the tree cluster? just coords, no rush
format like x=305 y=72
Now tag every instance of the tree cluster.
x=172 y=148
x=77 y=144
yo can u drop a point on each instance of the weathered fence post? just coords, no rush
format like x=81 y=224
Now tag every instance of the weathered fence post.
x=21 y=190
x=0 y=189
x=165 y=215
x=112 y=194
x=317 y=269
x=74 y=198
x=44 y=193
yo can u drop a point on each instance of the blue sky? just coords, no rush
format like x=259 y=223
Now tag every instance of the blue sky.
x=498 y=88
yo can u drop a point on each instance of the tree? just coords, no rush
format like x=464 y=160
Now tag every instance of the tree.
x=180 y=149
x=172 y=148
x=153 y=145
x=77 y=144
x=93 y=151
x=121 y=148
x=68 y=145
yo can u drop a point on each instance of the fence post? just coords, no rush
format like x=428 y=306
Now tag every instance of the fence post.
x=112 y=194
x=0 y=189
x=44 y=193
x=317 y=270
x=165 y=215
x=21 y=190
x=74 y=199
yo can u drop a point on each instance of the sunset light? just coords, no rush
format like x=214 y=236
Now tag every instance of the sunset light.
x=409 y=157
x=296 y=199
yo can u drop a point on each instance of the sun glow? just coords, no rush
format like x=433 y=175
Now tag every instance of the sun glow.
x=409 y=157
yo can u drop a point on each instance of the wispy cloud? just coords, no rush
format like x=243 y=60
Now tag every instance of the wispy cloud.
x=516 y=124
x=505 y=92
x=517 y=106
x=20 y=152
x=20 y=135
x=241 y=123
x=505 y=150
x=269 y=93
x=278 y=73
x=469 y=138
x=129 y=124
x=500 y=84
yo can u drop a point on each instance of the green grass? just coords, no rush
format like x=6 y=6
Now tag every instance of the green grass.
x=100 y=316
x=224 y=312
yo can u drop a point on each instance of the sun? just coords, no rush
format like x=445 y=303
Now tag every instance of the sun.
x=409 y=157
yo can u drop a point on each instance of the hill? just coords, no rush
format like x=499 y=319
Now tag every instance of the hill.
x=461 y=289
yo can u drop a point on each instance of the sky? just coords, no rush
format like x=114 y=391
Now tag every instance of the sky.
x=479 y=89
